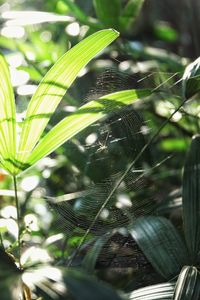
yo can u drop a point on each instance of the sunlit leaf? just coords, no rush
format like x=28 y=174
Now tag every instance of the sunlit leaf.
x=7 y=117
x=161 y=244
x=191 y=199
x=188 y=284
x=54 y=85
x=83 y=117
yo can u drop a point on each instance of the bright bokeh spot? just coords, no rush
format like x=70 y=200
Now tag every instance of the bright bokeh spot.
x=73 y=29
x=13 y=32
x=30 y=183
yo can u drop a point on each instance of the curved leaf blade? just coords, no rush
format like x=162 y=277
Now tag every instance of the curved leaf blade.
x=191 y=199
x=188 y=284
x=54 y=85
x=83 y=117
x=161 y=244
x=7 y=118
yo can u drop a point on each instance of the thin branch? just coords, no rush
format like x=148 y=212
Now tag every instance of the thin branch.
x=18 y=219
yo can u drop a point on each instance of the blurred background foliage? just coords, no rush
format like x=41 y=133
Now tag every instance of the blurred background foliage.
x=60 y=197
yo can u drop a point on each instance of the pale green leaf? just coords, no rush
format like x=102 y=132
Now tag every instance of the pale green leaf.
x=83 y=117
x=7 y=118
x=54 y=85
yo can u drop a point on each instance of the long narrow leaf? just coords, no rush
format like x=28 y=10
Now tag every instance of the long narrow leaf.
x=7 y=117
x=191 y=199
x=54 y=85
x=83 y=117
x=188 y=284
x=161 y=244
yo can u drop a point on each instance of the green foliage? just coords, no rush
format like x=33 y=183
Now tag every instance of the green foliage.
x=120 y=171
x=83 y=117
x=44 y=102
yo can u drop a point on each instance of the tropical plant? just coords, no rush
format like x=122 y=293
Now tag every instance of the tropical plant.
x=113 y=171
x=20 y=152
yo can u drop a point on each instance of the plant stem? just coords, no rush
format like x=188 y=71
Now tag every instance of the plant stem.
x=18 y=218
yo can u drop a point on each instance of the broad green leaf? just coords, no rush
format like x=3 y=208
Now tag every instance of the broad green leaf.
x=108 y=12
x=83 y=117
x=54 y=85
x=191 y=198
x=130 y=13
x=161 y=244
x=7 y=118
x=85 y=287
x=163 y=291
x=191 y=79
x=188 y=284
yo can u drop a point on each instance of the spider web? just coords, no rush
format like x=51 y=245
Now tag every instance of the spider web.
x=111 y=198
